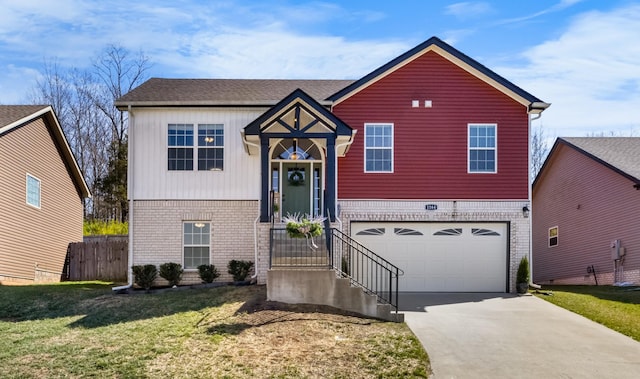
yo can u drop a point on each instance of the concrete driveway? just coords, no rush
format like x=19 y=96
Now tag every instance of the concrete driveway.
x=509 y=336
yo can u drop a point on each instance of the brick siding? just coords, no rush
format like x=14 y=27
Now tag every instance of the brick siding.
x=157 y=232
x=448 y=211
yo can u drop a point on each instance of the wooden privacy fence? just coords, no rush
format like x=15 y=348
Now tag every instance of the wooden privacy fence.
x=98 y=258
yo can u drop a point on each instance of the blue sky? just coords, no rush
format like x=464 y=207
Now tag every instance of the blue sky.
x=583 y=56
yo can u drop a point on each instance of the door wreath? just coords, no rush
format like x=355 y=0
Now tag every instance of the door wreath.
x=296 y=178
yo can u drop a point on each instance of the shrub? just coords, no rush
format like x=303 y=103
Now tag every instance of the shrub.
x=523 y=271
x=99 y=227
x=239 y=269
x=144 y=275
x=208 y=273
x=172 y=272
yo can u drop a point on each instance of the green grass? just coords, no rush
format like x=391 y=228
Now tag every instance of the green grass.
x=617 y=308
x=83 y=330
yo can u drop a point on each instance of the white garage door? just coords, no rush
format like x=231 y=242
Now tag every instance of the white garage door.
x=441 y=257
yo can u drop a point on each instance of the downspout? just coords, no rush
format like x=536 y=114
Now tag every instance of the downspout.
x=540 y=108
x=338 y=146
x=255 y=223
x=130 y=192
x=255 y=244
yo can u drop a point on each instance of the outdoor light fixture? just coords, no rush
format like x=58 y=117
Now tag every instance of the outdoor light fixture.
x=294 y=152
x=525 y=211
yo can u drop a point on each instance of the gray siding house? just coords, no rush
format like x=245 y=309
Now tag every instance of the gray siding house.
x=586 y=212
x=42 y=189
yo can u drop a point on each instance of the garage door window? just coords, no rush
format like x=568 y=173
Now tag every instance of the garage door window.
x=406 y=232
x=449 y=232
x=371 y=232
x=484 y=232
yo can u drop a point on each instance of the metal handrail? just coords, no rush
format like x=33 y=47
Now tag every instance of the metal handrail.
x=364 y=268
x=346 y=256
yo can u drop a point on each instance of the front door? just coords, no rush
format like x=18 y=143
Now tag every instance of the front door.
x=296 y=188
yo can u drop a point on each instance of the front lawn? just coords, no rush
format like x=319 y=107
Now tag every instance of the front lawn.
x=75 y=330
x=617 y=308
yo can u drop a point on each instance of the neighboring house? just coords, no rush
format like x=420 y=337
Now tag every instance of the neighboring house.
x=424 y=161
x=585 y=198
x=42 y=195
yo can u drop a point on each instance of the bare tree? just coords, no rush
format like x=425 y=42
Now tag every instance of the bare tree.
x=117 y=72
x=539 y=150
x=95 y=129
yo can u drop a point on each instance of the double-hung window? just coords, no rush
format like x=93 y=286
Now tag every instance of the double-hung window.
x=187 y=143
x=378 y=149
x=180 y=147
x=553 y=236
x=196 y=238
x=210 y=147
x=33 y=191
x=482 y=148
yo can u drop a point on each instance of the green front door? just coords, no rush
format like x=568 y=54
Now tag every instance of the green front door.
x=296 y=188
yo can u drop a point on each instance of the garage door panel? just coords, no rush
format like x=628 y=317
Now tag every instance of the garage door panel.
x=456 y=257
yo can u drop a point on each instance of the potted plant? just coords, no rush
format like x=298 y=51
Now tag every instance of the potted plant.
x=304 y=227
x=522 y=277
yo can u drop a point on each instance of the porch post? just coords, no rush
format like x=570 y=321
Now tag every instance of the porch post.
x=265 y=172
x=330 y=200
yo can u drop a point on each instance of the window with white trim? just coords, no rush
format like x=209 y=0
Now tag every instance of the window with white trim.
x=33 y=191
x=196 y=241
x=378 y=147
x=180 y=147
x=206 y=143
x=482 y=148
x=210 y=147
x=553 y=236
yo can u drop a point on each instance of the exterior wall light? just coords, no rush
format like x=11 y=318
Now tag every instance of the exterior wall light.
x=525 y=211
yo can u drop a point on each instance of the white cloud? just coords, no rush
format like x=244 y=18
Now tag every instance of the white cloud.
x=468 y=9
x=590 y=74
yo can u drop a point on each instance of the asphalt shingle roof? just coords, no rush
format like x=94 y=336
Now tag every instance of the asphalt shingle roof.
x=206 y=92
x=12 y=113
x=621 y=153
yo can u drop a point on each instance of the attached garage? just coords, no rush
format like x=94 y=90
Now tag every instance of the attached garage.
x=441 y=257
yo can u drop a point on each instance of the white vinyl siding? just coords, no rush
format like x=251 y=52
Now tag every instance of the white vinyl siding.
x=151 y=180
x=378 y=151
x=33 y=191
x=482 y=148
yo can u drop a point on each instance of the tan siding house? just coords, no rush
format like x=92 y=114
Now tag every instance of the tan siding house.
x=42 y=194
x=585 y=198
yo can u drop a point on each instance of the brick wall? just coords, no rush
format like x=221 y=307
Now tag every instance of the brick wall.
x=447 y=211
x=157 y=232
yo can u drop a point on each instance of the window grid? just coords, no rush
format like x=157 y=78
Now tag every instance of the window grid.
x=482 y=148
x=33 y=191
x=378 y=147
x=182 y=140
x=196 y=238
x=210 y=147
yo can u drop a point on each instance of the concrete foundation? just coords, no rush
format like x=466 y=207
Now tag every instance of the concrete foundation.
x=324 y=288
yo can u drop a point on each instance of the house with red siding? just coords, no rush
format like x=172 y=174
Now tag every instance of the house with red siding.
x=585 y=212
x=420 y=165
x=43 y=191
